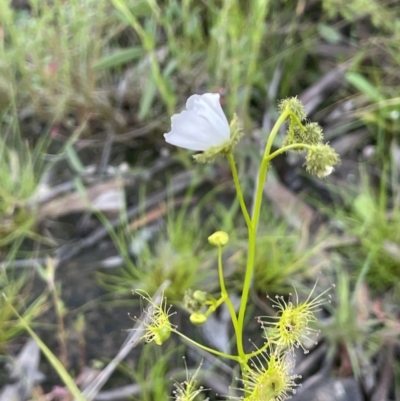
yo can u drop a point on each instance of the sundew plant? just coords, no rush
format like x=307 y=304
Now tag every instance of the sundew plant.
x=266 y=372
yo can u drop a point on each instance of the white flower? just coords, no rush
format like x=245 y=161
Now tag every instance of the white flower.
x=201 y=126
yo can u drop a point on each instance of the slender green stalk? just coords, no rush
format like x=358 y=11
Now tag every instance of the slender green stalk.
x=239 y=191
x=247 y=282
x=210 y=350
x=260 y=350
x=262 y=176
x=224 y=294
x=286 y=148
x=215 y=306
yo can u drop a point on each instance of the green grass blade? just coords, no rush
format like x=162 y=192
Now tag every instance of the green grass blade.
x=119 y=58
x=62 y=372
x=364 y=86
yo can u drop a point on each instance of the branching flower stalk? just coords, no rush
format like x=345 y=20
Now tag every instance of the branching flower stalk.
x=266 y=372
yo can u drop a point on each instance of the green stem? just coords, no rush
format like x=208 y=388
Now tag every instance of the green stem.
x=286 y=148
x=262 y=176
x=239 y=191
x=210 y=350
x=225 y=296
x=213 y=307
x=259 y=351
x=295 y=119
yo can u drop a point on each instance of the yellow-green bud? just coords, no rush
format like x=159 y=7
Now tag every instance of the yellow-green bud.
x=192 y=304
x=313 y=134
x=198 y=318
x=161 y=334
x=321 y=159
x=294 y=105
x=219 y=238
x=200 y=296
x=310 y=134
x=157 y=327
x=294 y=135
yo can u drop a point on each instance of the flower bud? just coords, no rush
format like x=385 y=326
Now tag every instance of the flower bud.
x=219 y=238
x=198 y=318
x=162 y=333
x=313 y=134
x=294 y=105
x=321 y=159
x=191 y=304
x=294 y=135
x=310 y=134
x=200 y=296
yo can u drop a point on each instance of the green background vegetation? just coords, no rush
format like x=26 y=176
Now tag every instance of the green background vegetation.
x=94 y=83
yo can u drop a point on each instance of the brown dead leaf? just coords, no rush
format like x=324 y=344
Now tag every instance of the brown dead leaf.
x=104 y=196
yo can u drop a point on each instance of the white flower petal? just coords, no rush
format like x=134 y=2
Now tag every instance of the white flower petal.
x=189 y=131
x=212 y=99
x=191 y=101
x=200 y=127
x=209 y=107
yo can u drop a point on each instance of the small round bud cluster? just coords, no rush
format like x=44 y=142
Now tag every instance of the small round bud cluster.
x=219 y=238
x=308 y=137
x=293 y=105
x=309 y=134
x=313 y=134
x=321 y=159
x=195 y=302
